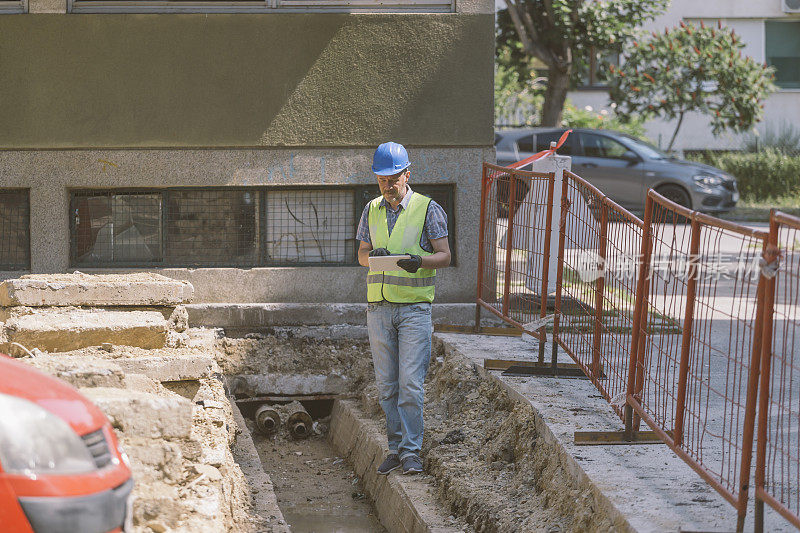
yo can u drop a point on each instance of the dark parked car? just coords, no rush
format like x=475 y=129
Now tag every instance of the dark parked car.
x=624 y=168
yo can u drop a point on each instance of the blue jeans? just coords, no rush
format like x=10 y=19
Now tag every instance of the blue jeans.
x=400 y=338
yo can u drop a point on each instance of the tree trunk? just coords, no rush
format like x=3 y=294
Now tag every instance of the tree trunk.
x=674 y=135
x=555 y=95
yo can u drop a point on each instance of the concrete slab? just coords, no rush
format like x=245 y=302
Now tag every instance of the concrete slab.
x=64 y=330
x=310 y=314
x=277 y=384
x=139 y=414
x=403 y=503
x=78 y=289
x=172 y=367
x=80 y=371
x=648 y=484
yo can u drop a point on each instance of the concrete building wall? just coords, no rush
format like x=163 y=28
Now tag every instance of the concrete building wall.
x=51 y=174
x=747 y=19
x=245 y=80
x=194 y=100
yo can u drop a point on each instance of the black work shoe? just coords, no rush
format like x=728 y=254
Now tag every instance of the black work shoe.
x=412 y=465
x=392 y=462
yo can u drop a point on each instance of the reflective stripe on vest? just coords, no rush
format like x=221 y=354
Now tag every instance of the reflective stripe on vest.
x=399 y=286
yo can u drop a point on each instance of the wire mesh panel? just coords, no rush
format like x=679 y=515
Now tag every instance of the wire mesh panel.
x=598 y=250
x=516 y=208
x=695 y=388
x=116 y=228
x=212 y=227
x=310 y=226
x=778 y=459
x=14 y=229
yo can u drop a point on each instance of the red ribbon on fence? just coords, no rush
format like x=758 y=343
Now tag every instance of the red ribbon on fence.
x=543 y=153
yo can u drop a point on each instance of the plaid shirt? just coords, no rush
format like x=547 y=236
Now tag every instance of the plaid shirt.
x=435 y=221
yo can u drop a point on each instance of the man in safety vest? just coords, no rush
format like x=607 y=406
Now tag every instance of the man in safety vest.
x=401 y=222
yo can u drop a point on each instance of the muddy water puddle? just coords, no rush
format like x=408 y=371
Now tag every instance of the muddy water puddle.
x=316 y=490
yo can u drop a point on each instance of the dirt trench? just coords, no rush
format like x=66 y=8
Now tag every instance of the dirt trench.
x=489 y=462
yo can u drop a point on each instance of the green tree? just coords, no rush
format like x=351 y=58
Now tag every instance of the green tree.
x=563 y=33
x=515 y=83
x=691 y=68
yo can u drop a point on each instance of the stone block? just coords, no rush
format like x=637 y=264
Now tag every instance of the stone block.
x=287 y=384
x=64 y=330
x=80 y=371
x=154 y=459
x=139 y=414
x=106 y=290
x=171 y=367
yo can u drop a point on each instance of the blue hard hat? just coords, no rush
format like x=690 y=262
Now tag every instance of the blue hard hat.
x=390 y=158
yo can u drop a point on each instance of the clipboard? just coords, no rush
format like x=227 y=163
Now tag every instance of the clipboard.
x=385 y=262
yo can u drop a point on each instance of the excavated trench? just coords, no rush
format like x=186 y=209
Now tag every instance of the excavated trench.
x=285 y=387
x=486 y=467
x=316 y=490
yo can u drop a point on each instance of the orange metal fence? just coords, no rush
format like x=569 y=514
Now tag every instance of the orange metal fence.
x=514 y=245
x=777 y=477
x=697 y=390
x=674 y=318
x=599 y=242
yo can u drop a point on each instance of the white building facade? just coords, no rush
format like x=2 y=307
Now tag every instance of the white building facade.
x=770 y=30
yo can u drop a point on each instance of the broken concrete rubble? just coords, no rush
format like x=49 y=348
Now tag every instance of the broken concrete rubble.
x=56 y=330
x=106 y=290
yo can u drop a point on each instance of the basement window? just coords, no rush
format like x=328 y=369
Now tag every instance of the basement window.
x=224 y=226
x=310 y=226
x=116 y=228
x=7 y=7
x=212 y=227
x=14 y=229
x=264 y=6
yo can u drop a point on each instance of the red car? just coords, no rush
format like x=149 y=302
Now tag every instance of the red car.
x=61 y=467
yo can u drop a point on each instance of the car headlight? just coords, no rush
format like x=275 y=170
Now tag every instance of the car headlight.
x=35 y=441
x=706 y=180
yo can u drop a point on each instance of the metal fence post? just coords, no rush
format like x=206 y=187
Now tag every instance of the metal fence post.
x=546 y=262
x=686 y=339
x=639 y=309
x=512 y=198
x=562 y=222
x=770 y=254
x=599 y=288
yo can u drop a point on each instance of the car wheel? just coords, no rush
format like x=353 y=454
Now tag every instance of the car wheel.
x=677 y=194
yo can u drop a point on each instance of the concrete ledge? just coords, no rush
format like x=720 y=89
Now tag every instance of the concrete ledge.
x=170 y=368
x=287 y=384
x=59 y=290
x=265 y=502
x=139 y=414
x=309 y=314
x=62 y=331
x=80 y=371
x=402 y=502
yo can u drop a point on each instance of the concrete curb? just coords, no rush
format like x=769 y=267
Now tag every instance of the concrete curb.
x=563 y=457
x=312 y=314
x=265 y=503
x=399 y=500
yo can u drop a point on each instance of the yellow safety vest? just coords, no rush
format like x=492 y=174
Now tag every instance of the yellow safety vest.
x=399 y=286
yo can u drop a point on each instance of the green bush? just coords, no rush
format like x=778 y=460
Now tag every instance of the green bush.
x=764 y=175
x=574 y=117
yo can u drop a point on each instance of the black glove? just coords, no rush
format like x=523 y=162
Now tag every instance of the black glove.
x=378 y=252
x=410 y=265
